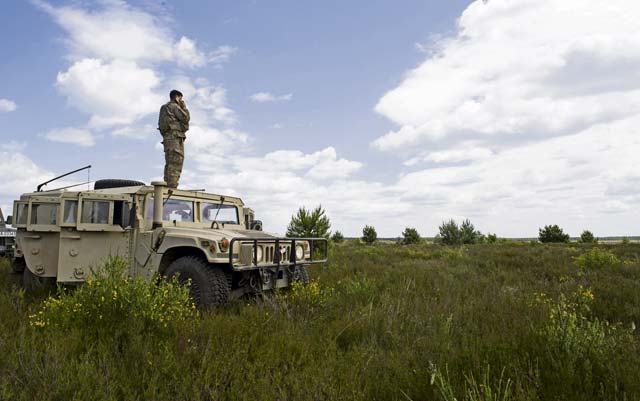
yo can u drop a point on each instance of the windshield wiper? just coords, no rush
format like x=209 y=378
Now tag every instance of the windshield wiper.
x=217 y=211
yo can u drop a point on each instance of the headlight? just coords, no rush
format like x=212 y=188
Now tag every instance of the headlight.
x=299 y=252
x=259 y=254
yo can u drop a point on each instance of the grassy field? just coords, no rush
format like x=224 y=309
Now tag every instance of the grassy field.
x=483 y=322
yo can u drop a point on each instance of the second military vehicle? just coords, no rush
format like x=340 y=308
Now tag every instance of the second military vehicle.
x=211 y=240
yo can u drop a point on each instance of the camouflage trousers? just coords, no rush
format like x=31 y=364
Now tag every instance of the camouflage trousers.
x=173 y=142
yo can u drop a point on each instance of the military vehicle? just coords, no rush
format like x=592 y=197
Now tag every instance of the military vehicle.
x=7 y=238
x=211 y=241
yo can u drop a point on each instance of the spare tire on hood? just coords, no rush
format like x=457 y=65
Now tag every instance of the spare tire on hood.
x=111 y=183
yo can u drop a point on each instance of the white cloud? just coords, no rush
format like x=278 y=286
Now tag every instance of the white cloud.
x=118 y=92
x=521 y=69
x=530 y=113
x=20 y=174
x=75 y=136
x=118 y=31
x=265 y=97
x=7 y=105
x=146 y=131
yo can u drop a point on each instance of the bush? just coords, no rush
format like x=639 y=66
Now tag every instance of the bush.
x=597 y=259
x=337 y=237
x=551 y=234
x=451 y=234
x=587 y=237
x=110 y=305
x=492 y=238
x=369 y=235
x=307 y=223
x=410 y=236
x=625 y=241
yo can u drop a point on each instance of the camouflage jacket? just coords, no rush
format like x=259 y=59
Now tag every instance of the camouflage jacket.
x=173 y=117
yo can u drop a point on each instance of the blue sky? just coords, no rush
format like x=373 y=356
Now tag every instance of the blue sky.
x=514 y=114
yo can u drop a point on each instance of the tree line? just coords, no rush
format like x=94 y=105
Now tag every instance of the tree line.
x=315 y=223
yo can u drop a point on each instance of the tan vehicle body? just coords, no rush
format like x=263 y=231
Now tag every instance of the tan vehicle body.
x=66 y=235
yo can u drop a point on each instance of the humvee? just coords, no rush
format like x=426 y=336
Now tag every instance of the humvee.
x=211 y=241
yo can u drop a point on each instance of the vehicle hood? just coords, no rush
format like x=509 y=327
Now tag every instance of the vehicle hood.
x=215 y=233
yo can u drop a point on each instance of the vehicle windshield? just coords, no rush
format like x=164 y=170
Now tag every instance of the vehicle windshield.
x=44 y=213
x=228 y=214
x=178 y=210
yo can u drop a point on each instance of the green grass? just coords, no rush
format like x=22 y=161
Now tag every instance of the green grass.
x=424 y=322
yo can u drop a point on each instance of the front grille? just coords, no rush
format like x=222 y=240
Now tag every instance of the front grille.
x=270 y=252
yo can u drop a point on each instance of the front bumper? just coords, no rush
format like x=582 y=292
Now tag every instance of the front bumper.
x=276 y=252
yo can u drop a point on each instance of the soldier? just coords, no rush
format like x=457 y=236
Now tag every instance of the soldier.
x=173 y=123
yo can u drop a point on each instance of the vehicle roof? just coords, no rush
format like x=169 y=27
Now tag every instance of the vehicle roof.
x=139 y=190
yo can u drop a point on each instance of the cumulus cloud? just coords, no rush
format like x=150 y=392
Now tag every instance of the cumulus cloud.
x=521 y=70
x=75 y=136
x=7 y=105
x=526 y=116
x=118 y=31
x=117 y=92
x=20 y=174
x=145 y=131
x=266 y=97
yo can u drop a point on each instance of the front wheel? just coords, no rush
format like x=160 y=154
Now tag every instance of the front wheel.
x=209 y=286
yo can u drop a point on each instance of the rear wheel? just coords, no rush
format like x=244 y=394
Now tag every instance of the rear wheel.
x=31 y=282
x=18 y=265
x=209 y=286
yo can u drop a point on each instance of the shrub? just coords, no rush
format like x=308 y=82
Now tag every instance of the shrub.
x=410 y=236
x=552 y=233
x=369 y=235
x=587 y=237
x=492 y=238
x=110 y=305
x=451 y=234
x=337 y=237
x=597 y=259
x=307 y=223
x=625 y=241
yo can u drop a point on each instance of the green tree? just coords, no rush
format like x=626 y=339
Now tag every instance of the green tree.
x=492 y=238
x=410 y=236
x=337 y=237
x=450 y=233
x=552 y=233
x=307 y=223
x=369 y=235
x=587 y=237
x=625 y=241
x=469 y=234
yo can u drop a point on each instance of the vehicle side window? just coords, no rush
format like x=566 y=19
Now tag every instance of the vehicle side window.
x=95 y=212
x=44 y=213
x=121 y=214
x=21 y=212
x=70 y=212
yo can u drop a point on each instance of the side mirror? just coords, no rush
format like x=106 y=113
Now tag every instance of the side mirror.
x=256 y=225
x=9 y=220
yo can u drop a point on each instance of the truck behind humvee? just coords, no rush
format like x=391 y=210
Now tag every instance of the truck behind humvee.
x=7 y=238
x=210 y=240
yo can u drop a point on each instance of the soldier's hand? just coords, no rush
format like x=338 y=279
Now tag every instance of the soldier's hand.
x=182 y=103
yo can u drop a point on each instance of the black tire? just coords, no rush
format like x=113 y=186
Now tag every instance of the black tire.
x=210 y=286
x=110 y=183
x=301 y=275
x=32 y=283
x=18 y=265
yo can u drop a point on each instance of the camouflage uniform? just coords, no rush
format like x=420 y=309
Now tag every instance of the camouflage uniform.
x=173 y=123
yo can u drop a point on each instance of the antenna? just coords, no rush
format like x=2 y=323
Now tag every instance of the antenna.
x=61 y=176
